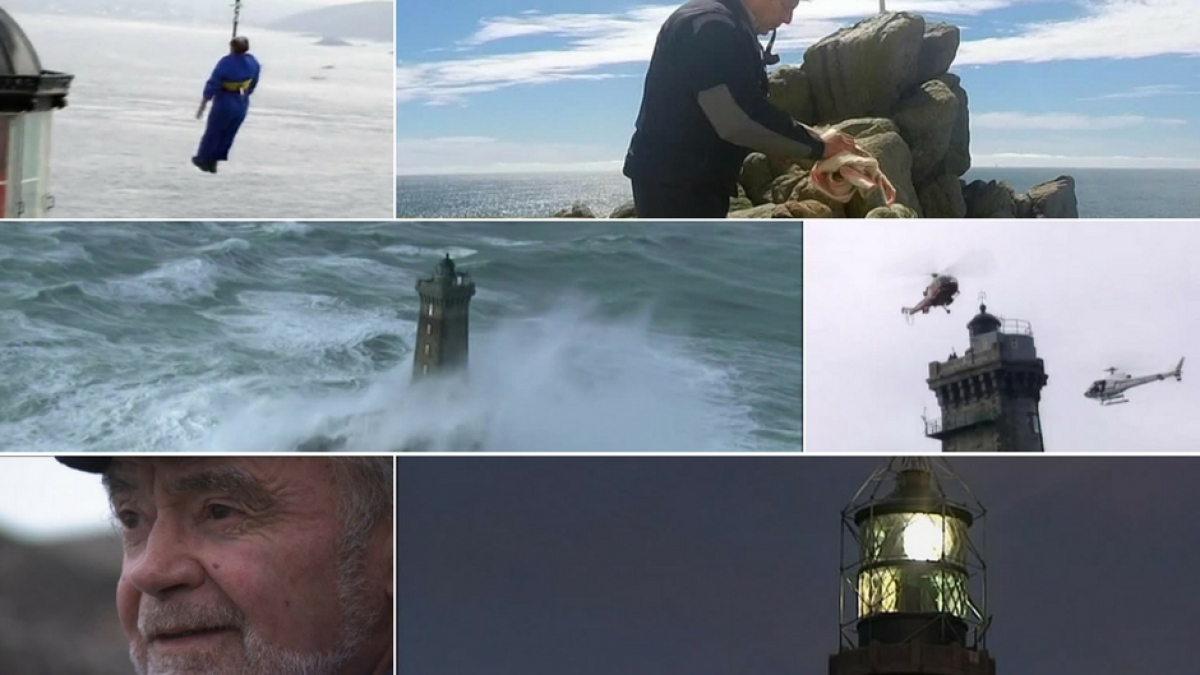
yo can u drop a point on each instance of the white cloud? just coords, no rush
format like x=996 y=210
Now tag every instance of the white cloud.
x=1146 y=91
x=1110 y=29
x=1055 y=161
x=1065 y=121
x=474 y=154
x=589 y=42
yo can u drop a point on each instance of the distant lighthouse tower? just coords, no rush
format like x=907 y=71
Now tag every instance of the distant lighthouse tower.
x=989 y=396
x=442 y=329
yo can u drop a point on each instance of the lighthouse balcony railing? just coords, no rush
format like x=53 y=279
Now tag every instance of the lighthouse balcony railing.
x=960 y=420
x=47 y=82
x=1015 y=327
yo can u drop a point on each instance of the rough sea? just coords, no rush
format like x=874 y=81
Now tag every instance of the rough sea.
x=1102 y=193
x=316 y=144
x=231 y=337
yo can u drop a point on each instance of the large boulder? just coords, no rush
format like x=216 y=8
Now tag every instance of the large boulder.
x=808 y=208
x=989 y=199
x=893 y=211
x=760 y=211
x=740 y=203
x=942 y=198
x=939 y=46
x=626 y=210
x=756 y=177
x=576 y=210
x=926 y=118
x=783 y=186
x=861 y=70
x=958 y=154
x=1054 y=199
x=789 y=89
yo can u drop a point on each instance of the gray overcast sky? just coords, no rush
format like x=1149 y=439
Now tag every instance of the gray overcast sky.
x=252 y=10
x=42 y=499
x=1097 y=293
x=729 y=565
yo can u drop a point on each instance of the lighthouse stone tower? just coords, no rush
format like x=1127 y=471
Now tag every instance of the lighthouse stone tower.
x=442 y=327
x=989 y=396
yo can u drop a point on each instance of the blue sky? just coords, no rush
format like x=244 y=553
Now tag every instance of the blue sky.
x=535 y=85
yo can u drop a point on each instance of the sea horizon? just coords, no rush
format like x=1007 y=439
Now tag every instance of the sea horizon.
x=1108 y=192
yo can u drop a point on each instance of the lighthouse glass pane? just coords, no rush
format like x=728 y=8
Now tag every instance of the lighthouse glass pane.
x=33 y=162
x=4 y=165
x=914 y=536
x=10 y=129
x=894 y=589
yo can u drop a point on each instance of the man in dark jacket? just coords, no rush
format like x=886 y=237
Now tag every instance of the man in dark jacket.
x=704 y=108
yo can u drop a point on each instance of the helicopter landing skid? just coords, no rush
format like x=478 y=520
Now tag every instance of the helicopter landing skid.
x=1114 y=401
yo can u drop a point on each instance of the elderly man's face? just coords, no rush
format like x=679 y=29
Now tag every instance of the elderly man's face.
x=234 y=566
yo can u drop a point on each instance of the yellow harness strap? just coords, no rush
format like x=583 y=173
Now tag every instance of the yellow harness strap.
x=237 y=86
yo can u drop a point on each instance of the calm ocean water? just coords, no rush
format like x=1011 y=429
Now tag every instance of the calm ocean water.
x=1103 y=193
x=122 y=148
x=599 y=336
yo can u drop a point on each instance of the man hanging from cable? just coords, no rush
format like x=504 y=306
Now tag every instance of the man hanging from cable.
x=229 y=88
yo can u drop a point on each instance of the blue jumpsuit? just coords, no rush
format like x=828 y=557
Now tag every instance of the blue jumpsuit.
x=229 y=88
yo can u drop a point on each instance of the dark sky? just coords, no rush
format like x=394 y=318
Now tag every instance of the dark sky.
x=729 y=566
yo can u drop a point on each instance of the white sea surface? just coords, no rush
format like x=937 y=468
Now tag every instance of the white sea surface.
x=318 y=142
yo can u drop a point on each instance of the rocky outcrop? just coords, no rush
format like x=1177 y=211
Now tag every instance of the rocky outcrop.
x=1054 y=199
x=886 y=81
x=576 y=210
x=625 y=210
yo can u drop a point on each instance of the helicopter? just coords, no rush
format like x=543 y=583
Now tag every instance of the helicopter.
x=939 y=293
x=1111 y=391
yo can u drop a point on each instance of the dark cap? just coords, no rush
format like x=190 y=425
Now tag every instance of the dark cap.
x=88 y=464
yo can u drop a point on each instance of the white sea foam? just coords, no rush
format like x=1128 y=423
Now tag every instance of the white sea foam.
x=566 y=380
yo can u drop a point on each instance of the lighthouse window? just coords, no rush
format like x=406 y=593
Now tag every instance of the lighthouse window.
x=425 y=369
x=428 y=328
x=431 y=310
x=427 y=349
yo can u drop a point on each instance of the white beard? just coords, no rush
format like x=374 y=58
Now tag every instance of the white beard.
x=259 y=657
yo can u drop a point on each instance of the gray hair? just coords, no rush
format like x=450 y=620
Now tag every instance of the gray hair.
x=365 y=496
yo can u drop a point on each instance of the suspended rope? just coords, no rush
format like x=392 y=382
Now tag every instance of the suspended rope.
x=237 y=11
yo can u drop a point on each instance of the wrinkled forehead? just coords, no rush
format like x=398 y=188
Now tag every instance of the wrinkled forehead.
x=257 y=480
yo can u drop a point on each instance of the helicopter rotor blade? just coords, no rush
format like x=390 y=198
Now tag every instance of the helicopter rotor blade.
x=923 y=265
x=975 y=263
x=1132 y=361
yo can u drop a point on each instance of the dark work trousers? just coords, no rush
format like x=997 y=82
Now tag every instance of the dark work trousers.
x=679 y=200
